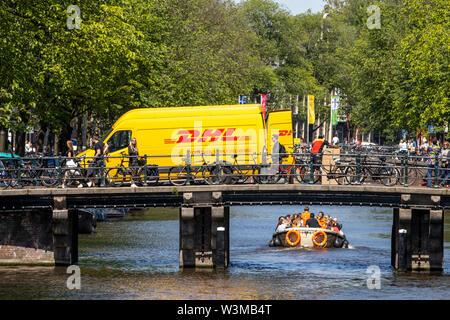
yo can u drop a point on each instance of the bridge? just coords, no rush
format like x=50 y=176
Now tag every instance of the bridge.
x=39 y=225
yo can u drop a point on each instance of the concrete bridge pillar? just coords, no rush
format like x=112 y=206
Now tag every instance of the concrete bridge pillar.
x=418 y=235
x=39 y=237
x=204 y=231
x=65 y=233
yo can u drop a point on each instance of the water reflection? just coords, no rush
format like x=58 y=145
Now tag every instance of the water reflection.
x=137 y=258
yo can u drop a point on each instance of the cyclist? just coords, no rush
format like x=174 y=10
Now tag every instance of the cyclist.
x=317 y=149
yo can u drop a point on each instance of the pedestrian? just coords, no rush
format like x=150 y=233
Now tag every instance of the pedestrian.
x=96 y=162
x=28 y=147
x=317 y=150
x=70 y=163
x=133 y=160
x=335 y=140
x=445 y=165
x=433 y=152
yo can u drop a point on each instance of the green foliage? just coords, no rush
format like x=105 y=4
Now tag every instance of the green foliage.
x=153 y=53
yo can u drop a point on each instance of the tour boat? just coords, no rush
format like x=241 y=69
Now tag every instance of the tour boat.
x=304 y=237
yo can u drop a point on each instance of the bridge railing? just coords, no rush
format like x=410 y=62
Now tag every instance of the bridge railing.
x=346 y=168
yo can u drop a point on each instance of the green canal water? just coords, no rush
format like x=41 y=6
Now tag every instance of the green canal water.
x=137 y=258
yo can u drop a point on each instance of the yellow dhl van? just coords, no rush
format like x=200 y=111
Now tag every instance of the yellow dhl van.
x=166 y=134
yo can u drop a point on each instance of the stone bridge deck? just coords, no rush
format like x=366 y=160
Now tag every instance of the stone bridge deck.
x=231 y=195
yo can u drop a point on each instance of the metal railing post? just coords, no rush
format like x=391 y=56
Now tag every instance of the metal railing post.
x=358 y=168
x=102 y=171
x=218 y=166
x=406 y=169
x=19 y=174
x=188 y=167
x=59 y=170
x=312 y=169
x=145 y=171
x=436 y=170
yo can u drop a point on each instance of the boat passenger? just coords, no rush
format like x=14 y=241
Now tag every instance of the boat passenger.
x=322 y=221
x=297 y=222
x=282 y=226
x=328 y=221
x=312 y=222
x=305 y=215
x=280 y=221
x=337 y=224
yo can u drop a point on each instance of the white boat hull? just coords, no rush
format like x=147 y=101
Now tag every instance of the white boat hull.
x=307 y=236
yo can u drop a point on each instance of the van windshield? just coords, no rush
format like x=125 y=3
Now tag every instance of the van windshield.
x=119 y=140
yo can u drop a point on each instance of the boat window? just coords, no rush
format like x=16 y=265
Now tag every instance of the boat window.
x=119 y=140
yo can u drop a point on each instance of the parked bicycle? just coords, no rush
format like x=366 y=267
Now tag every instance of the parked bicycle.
x=123 y=174
x=240 y=173
x=310 y=173
x=184 y=174
x=372 y=170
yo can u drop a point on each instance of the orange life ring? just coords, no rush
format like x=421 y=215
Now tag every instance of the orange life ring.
x=324 y=241
x=288 y=239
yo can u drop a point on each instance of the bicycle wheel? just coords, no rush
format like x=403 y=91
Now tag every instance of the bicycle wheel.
x=214 y=175
x=339 y=175
x=409 y=179
x=304 y=173
x=72 y=176
x=389 y=176
x=240 y=177
x=49 y=177
x=113 y=177
x=351 y=176
x=178 y=176
x=263 y=176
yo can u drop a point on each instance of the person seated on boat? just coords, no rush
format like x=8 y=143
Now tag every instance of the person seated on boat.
x=297 y=222
x=282 y=224
x=312 y=222
x=337 y=225
x=305 y=215
x=328 y=221
x=322 y=221
x=288 y=219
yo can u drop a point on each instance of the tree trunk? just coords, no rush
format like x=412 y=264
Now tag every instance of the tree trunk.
x=20 y=143
x=3 y=140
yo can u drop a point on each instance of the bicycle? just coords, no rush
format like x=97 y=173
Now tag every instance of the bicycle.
x=335 y=171
x=380 y=170
x=75 y=173
x=286 y=171
x=181 y=175
x=241 y=173
x=123 y=174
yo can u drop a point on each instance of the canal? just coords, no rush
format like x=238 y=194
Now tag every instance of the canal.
x=138 y=257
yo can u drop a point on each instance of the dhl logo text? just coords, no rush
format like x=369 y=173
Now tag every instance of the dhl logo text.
x=208 y=136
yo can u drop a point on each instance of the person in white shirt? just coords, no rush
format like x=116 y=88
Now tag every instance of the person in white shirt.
x=28 y=147
x=335 y=140
x=282 y=224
